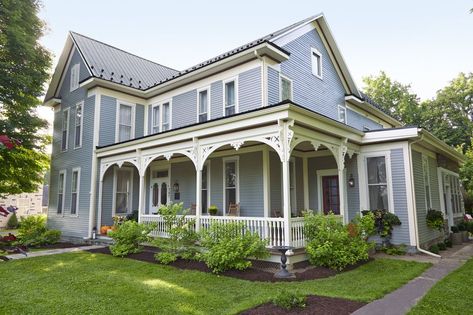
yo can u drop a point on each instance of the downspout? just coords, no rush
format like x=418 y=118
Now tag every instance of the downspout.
x=413 y=197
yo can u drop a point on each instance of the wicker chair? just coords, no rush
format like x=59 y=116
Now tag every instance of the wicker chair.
x=234 y=210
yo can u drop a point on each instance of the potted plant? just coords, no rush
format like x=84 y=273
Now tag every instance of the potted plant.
x=434 y=219
x=213 y=210
x=463 y=228
x=457 y=237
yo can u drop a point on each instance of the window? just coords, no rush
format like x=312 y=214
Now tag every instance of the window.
x=203 y=105
x=231 y=183
x=123 y=179
x=230 y=98
x=61 y=189
x=126 y=116
x=156 y=119
x=426 y=177
x=75 y=70
x=286 y=88
x=342 y=114
x=65 y=130
x=377 y=183
x=161 y=117
x=166 y=117
x=78 y=125
x=205 y=187
x=456 y=197
x=75 y=183
x=316 y=63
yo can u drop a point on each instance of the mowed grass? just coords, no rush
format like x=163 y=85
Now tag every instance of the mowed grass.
x=451 y=295
x=85 y=283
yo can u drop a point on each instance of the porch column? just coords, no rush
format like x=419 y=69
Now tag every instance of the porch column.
x=286 y=202
x=198 y=198
x=266 y=183
x=305 y=178
x=141 y=198
x=342 y=191
x=99 y=206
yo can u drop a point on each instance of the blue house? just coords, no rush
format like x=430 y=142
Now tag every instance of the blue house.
x=262 y=132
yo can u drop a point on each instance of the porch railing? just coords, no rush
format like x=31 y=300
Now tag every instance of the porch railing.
x=271 y=229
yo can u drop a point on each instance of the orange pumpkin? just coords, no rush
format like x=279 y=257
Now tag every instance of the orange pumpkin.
x=104 y=229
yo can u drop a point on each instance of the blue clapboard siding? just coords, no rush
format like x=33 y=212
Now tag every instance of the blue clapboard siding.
x=249 y=90
x=299 y=186
x=273 y=86
x=107 y=197
x=184 y=109
x=400 y=233
x=183 y=173
x=353 y=193
x=139 y=120
x=216 y=97
x=360 y=122
x=108 y=120
x=275 y=179
x=216 y=187
x=251 y=184
x=434 y=184
x=76 y=226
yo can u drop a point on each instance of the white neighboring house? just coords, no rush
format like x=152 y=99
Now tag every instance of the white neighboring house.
x=27 y=204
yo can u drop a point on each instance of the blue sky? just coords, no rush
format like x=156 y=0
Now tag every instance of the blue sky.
x=424 y=43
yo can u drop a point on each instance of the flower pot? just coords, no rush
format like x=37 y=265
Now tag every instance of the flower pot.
x=457 y=238
x=466 y=236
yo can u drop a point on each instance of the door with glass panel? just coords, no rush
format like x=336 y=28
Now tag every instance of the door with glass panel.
x=331 y=196
x=159 y=189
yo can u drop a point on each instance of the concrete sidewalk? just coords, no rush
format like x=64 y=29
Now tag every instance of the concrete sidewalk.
x=52 y=252
x=403 y=299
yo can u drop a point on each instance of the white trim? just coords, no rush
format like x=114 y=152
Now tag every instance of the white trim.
x=146 y=120
x=319 y=174
x=224 y=82
x=81 y=104
x=75 y=169
x=114 y=194
x=293 y=177
x=205 y=88
x=93 y=178
x=61 y=172
x=426 y=167
x=410 y=194
x=74 y=77
x=296 y=32
x=235 y=159
x=281 y=77
x=305 y=180
x=342 y=108
x=161 y=112
x=315 y=71
x=117 y=120
x=67 y=128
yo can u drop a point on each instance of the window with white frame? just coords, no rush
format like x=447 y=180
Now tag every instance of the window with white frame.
x=161 y=117
x=230 y=97
x=203 y=105
x=65 y=130
x=125 y=122
x=205 y=187
x=123 y=180
x=426 y=177
x=231 y=181
x=286 y=88
x=377 y=183
x=60 y=192
x=155 y=121
x=75 y=70
x=316 y=63
x=455 y=193
x=78 y=125
x=75 y=182
x=342 y=114
x=166 y=108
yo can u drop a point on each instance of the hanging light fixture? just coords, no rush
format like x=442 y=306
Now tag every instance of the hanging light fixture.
x=351 y=181
x=175 y=187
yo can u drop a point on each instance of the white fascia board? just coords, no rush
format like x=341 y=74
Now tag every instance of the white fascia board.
x=52 y=102
x=441 y=146
x=394 y=134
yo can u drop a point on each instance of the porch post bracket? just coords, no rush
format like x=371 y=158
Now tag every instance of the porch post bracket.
x=237 y=144
x=342 y=151
x=168 y=155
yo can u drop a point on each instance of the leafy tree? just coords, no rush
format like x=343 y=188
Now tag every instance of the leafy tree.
x=394 y=97
x=24 y=66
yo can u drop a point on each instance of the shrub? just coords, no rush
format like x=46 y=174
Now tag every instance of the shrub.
x=395 y=250
x=462 y=226
x=128 y=238
x=434 y=249
x=455 y=229
x=133 y=216
x=331 y=244
x=448 y=243
x=12 y=222
x=32 y=231
x=289 y=299
x=385 y=222
x=230 y=245
x=442 y=246
x=182 y=237
x=434 y=219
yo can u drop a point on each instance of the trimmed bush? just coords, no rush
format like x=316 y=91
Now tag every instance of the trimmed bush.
x=12 y=222
x=289 y=300
x=442 y=246
x=230 y=245
x=434 y=249
x=334 y=245
x=128 y=238
x=395 y=250
x=32 y=231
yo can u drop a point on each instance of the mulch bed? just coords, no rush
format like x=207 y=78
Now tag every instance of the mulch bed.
x=251 y=274
x=60 y=245
x=315 y=305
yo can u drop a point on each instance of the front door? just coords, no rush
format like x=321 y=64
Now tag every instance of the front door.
x=159 y=190
x=330 y=194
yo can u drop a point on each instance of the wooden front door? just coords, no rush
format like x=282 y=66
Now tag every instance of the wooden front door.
x=330 y=193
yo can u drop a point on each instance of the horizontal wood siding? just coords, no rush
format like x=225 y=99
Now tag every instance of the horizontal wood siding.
x=299 y=185
x=353 y=193
x=108 y=120
x=251 y=184
x=107 y=197
x=273 y=86
x=216 y=188
x=183 y=173
x=275 y=179
x=359 y=121
x=139 y=120
x=314 y=164
x=400 y=233
x=216 y=97
x=249 y=90
x=184 y=109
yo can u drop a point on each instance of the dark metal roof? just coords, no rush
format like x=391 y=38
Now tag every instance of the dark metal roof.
x=113 y=64
x=370 y=101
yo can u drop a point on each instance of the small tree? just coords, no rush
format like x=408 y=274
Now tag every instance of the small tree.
x=12 y=221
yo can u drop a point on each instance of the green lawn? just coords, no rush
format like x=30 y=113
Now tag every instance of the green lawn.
x=84 y=283
x=451 y=295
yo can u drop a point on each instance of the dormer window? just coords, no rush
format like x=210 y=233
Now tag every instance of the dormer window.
x=316 y=63
x=75 y=70
x=285 y=88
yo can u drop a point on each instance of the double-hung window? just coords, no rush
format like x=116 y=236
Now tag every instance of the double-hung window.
x=426 y=176
x=203 y=105
x=316 y=63
x=156 y=119
x=126 y=116
x=78 y=125
x=65 y=130
x=231 y=181
x=60 y=192
x=75 y=183
x=123 y=178
x=342 y=114
x=161 y=117
x=286 y=88
x=377 y=183
x=230 y=97
x=166 y=116
x=75 y=70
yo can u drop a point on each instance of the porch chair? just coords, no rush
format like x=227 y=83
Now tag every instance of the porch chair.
x=234 y=210
x=276 y=213
x=192 y=209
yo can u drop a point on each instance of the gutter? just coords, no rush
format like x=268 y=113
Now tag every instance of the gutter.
x=413 y=197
